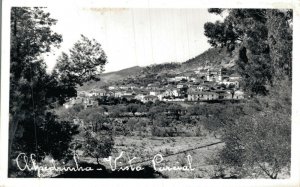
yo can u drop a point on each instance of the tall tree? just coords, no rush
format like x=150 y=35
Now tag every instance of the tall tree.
x=258 y=36
x=85 y=62
x=98 y=145
x=263 y=45
x=31 y=36
x=33 y=92
x=280 y=37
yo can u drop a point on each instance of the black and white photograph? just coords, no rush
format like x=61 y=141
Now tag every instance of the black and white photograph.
x=167 y=93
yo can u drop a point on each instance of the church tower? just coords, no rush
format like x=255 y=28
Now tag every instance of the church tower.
x=208 y=75
x=220 y=75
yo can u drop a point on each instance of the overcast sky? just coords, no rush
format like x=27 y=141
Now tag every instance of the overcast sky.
x=134 y=37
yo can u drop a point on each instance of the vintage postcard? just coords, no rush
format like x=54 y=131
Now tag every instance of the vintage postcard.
x=167 y=90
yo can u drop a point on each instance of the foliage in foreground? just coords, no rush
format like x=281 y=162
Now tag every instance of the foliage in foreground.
x=260 y=137
x=33 y=128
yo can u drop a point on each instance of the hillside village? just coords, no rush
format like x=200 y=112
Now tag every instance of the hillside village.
x=219 y=114
x=200 y=85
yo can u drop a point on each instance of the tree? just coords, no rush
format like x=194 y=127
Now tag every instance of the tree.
x=221 y=34
x=264 y=46
x=85 y=62
x=161 y=120
x=258 y=35
x=31 y=36
x=155 y=110
x=94 y=118
x=117 y=111
x=252 y=132
x=133 y=108
x=132 y=124
x=98 y=145
x=30 y=85
x=68 y=114
x=34 y=92
x=252 y=144
x=53 y=137
x=280 y=37
x=175 y=110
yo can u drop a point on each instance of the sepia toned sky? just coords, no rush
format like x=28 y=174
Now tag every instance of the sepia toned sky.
x=134 y=37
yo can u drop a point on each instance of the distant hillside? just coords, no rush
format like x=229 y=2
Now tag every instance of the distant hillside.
x=119 y=75
x=161 y=68
x=110 y=77
x=211 y=58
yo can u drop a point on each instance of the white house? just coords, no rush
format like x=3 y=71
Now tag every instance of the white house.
x=238 y=94
x=228 y=83
x=150 y=98
x=154 y=93
x=111 y=87
x=234 y=77
x=140 y=97
x=175 y=93
x=179 y=78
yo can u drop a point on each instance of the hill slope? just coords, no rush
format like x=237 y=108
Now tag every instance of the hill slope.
x=107 y=78
x=119 y=75
x=211 y=58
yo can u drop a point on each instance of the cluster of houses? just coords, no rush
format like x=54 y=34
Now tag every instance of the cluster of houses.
x=207 y=85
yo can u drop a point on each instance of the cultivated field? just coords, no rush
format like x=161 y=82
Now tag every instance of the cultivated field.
x=144 y=149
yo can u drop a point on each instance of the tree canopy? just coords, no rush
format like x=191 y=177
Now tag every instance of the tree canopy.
x=30 y=85
x=84 y=63
x=263 y=39
x=33 y=127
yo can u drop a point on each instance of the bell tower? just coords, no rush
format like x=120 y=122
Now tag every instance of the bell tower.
x=208 y=75
x=220 y=74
